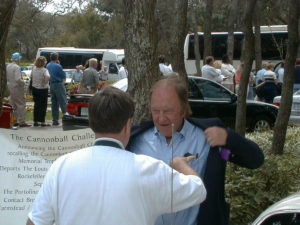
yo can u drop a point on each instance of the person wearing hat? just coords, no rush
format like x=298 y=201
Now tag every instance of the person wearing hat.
x=16 y=89
x=268 y=89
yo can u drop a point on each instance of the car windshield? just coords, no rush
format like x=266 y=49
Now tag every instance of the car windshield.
x=297 y=92
x=69 y=74
x=207 y=90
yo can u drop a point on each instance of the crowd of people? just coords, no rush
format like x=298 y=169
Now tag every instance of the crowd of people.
x=182 y=157
x=173 y=171
x=263 y=86
x=51 y=76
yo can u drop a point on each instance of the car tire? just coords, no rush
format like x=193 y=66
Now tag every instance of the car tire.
x=261 y=122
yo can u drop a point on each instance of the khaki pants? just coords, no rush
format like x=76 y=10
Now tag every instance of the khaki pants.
x=17 y=100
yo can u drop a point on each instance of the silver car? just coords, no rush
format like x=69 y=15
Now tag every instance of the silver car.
x=284 y=212
x=295 y=111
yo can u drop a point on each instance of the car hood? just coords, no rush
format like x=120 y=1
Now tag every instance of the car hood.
x=296 y=98
x=289 y=204
x=260 y=103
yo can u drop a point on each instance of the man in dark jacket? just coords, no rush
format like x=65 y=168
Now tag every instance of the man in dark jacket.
x=172 y=133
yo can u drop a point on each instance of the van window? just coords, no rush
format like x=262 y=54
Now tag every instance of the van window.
x=113 y=68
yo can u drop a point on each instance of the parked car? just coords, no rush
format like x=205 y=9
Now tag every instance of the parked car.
x=295 y=110
x=207 y=99
x=69 y=75
x=26 y=75
x=284 y=212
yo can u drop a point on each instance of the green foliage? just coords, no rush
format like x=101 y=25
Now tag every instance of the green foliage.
x=83 y=29
x=251 y=191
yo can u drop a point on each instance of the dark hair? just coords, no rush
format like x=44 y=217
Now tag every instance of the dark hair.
x=109 y=110
x=225 y=59
x=123 y=61
x=161 y=59
x=174 y=80
x=209 y=59
x=53 y=56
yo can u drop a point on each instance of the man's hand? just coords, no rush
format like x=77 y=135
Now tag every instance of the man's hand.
x=181 y=164
x=216 y=136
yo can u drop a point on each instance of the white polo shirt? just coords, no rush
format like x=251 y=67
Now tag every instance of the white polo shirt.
x=108 y=185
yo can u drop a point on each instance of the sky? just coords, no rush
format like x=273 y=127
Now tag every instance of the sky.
x=51 y=8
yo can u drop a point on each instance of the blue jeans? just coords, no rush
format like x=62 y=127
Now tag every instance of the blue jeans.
x=250 y=93
x=58 y=98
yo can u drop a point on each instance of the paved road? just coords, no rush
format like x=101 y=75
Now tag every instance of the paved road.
x=48 y=128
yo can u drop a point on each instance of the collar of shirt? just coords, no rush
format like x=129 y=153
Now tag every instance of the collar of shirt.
x=181 y=134
x=110 y=140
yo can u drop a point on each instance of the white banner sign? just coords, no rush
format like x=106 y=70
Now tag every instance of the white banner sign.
x=24 y=160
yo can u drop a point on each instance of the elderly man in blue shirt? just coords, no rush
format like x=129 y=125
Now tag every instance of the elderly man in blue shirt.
x=260 y=74
x=173 y=133
x=57 y=88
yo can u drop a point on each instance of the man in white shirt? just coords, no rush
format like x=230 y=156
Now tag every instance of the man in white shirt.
x=210 y=72
x=228 y=71
x=123 y=73
x=164 y=69
x=104 y=184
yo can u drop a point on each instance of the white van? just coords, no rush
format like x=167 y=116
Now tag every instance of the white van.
x=70 y=57
x=112 y=58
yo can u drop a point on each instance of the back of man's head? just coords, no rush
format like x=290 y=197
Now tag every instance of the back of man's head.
x=123 y=61
x=161 y=59
x=109 y=110
x=53 y=56
x=270 y=66
x=225 y=59
x=209 y=59
x=93 y=62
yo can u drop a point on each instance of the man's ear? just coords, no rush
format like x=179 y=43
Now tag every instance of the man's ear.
x=127 y=126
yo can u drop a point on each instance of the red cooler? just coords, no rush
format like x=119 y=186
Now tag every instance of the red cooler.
x=7 y=117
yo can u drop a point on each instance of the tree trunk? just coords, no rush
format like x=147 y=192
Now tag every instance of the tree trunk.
x=231 y=26
x=288 y=80
x=240 y=122
x=178 y=34
x=258 y=57
x=7 y=9
x=140 y=52
x=207 y=28
x=196 y=41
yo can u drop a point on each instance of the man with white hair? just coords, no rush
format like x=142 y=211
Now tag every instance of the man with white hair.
x=90 y=78
x=16 y=89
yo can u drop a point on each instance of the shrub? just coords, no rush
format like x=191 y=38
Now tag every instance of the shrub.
x=251 y=191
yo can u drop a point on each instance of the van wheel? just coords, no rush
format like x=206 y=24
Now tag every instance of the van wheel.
x=261 y=123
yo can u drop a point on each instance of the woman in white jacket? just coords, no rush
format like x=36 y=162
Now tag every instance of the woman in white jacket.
x=228 y=71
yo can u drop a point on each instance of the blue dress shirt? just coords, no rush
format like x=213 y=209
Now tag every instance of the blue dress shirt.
x=56 y=72
x=260 y=75
x=189 y=140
